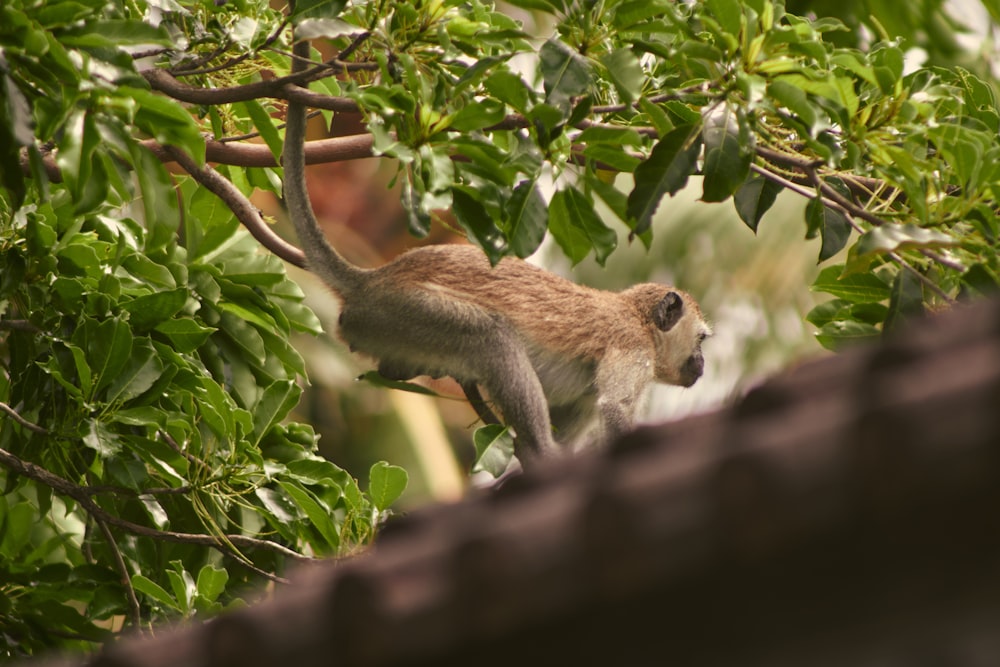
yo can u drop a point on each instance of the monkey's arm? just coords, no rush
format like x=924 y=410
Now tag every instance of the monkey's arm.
x=621 y=382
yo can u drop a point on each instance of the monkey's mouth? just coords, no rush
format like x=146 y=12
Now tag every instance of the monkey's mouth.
x=692 y=370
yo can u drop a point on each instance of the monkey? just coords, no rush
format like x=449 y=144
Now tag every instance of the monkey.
x=552 y=355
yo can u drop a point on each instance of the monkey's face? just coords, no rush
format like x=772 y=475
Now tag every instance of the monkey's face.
x=680 y=332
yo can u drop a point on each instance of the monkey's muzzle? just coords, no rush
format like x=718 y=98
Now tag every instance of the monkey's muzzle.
x=692 y=370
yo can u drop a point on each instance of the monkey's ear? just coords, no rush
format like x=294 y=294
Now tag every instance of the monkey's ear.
x=668 y=311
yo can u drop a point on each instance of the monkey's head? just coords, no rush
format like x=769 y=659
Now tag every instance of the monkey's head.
x=678 y=330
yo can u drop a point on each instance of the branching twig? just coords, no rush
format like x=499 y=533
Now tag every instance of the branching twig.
x=34 y=428
x=805 y=192
x=244 y=210
x=135 y=612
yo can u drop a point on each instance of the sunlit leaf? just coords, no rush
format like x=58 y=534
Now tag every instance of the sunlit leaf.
x=385 y=484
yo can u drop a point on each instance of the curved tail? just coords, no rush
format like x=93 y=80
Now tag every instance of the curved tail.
x=321 y=257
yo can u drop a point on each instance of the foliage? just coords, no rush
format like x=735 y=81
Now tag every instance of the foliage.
x=147 y=463
x=148 y=470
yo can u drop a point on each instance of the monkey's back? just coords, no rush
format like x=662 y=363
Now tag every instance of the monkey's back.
x=547 y=309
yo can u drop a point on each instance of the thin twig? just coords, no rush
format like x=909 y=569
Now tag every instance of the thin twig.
x=135 y=612
x=19 y=325
x=34 y=428
x=805 y=192
x=241 y=207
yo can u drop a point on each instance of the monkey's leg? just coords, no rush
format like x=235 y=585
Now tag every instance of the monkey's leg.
x=514 y=386
x=439 y=335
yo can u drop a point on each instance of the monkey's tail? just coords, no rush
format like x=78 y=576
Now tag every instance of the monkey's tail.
x=322 y=258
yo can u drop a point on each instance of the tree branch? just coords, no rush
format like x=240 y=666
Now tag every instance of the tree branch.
x=321 y=151
x=135 y=613
x=244 y=210
x=279 y=88
x=34 y=428
x=830 y=203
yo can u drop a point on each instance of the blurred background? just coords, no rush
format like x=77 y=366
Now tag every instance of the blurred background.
x=754 y=288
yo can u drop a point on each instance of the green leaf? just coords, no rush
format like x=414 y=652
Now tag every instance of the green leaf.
x=618 y=136
x=527 y=218
x=907 y=299
x=831 y=223
x=477 y=115
x=565 y=73
x=211 y=582
x=143 y=369
x=159 y=199
x=385 y=484
x=108 y=347
x=727 y=159
x=625 y=72
x=282 y=507
x=101 y=439
x=379 y=381
x=633 y=12
x=114 y=33
x=856 y=288
x=494 y=449
x=795 y=100
x=894 y=238
x=278 y=398
x=185 y=334
x=478 y=223
x=265 y=125
x=840 y=334
x=317 y=9
x=547 y=6
x=728 y=13
x=167 y=121
x=612 y=157
x=182 y=584
x=146 y=586
x=510 y=89
x=577 y=228
x=754 y=198
x=149 y=310
x=319 y=515
x=15 y=531
x=659 y=117
x=665 y=171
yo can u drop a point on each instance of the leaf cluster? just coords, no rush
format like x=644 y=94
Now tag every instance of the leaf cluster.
x=147 y=465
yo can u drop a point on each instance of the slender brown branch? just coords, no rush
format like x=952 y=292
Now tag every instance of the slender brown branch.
x=805 y=192
x=34 y=428
x=320 y=151
x=244 y=210
x=279 y=88
x=194 y=70
x=174 y=445
x=122 y=491
x=135 y=613
x=859 y=185
x=18 y=325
